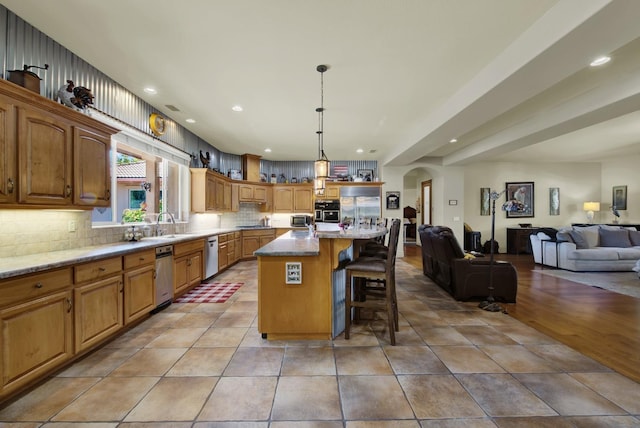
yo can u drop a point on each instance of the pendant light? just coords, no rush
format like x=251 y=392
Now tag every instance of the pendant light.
x=321 y=166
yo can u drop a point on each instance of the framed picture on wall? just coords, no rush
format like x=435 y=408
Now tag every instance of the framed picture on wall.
x=485 y=201
x=523 y=193
x=393 y=200
x=619 y=197
x=554 y=201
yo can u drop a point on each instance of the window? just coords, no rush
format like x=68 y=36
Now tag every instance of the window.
x=146 y=185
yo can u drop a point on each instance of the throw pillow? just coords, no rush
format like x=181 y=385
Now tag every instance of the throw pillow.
x=634 y=237
x=564 y=236
x=579 y=239
x=591 y=234
x=614 y=238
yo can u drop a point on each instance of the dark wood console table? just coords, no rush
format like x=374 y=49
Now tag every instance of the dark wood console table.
x=518 y=239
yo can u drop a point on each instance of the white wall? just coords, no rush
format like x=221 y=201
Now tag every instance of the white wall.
x=621 y=172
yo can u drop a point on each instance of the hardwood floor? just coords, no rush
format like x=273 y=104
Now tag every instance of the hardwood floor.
x=598 y=323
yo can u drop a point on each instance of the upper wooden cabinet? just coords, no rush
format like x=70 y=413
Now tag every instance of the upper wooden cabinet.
x=210 y=191
x=52 y=155
x=293 y=198
x=253 y=193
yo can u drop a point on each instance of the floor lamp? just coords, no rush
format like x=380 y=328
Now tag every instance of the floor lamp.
x=490 y=304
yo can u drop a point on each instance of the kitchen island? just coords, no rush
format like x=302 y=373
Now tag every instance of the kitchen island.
x=301 y=283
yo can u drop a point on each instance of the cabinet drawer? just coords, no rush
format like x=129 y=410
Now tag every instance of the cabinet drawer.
x=259 y=232
x=188 y=247
x=237 y=235
x=32 y=286
x=97 y=269
x=139 y=259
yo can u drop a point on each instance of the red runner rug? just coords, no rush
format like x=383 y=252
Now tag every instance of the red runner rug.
x=216 y=292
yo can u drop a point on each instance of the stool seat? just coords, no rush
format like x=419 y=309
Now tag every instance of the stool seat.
x=365 y=270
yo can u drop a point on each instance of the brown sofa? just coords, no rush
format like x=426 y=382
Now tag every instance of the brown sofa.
x=465 y=279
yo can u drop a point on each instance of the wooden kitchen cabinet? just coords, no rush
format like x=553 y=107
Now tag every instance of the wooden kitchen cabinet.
x=36 y=321
x=331 y=192
x=253 y=193
x=293 y=198
x=45 y=153
x=254 y=239
x=237 y=236
x=53 y=156
x=98 y=297
x=210 y=192
x=92 y=173
x=139 y=285
x=188 y=265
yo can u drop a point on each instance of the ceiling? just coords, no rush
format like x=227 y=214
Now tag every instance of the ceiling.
x=508 y=78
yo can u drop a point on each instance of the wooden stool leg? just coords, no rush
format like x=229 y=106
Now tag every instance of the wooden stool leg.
x=347 y=306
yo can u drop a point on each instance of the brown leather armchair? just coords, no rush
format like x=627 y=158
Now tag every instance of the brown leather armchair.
x=464 y=279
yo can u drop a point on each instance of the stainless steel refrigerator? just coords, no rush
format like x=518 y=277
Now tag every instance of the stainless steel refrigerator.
x=359 y=203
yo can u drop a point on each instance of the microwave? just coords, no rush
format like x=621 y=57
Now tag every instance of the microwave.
x=300 y=220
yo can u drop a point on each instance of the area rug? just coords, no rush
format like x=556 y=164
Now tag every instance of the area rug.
x=618 y=282
x=215 y=292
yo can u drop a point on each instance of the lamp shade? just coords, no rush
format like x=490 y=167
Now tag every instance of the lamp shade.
x=591 y=206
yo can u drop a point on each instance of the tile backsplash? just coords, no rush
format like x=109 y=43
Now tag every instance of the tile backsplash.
x=27 y=232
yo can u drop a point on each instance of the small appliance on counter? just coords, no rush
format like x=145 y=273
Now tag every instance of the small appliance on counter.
x=301 y=220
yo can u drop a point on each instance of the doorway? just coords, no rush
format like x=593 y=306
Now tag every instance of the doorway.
x=426 y=202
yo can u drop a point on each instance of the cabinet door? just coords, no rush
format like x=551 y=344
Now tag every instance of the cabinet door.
x=92 y=176
x=227 y=196
x=222 y=255
x=235 y=197
x=265 y=239
x=303 y=200
x=219 y=194
x=139 y=293
x=260 y=194
x=283 y=199
x=210 y=189
x=332 y=192
x=98 y=311
x=246 y=193
x=180 y=275
x=8 y=177
x=238 y=253
x=44 y=159
x=36 y=338
x=249 y=245
x=195 y=264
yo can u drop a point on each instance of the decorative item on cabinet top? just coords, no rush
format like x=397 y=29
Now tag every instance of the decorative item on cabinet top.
x=27 y=79
x=77 y=97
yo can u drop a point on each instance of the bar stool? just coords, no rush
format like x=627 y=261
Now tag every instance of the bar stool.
x=366 y=269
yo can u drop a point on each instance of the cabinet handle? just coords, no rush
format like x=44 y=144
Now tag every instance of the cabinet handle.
x=155 y=274
x=38 y=285
x=108 y=194
x=70 y=305
x=141 y=259
x=10 y=185
x=189 y=262
x=68 y=190
x=101 y=269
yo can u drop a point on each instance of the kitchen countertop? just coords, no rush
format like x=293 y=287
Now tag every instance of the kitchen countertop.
x=32 y=263
x=300 y=243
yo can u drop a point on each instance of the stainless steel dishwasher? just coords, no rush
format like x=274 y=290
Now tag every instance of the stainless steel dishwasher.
x=164 y=277
x=211 y=257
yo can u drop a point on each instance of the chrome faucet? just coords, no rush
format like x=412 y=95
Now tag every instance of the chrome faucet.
x=160 y=232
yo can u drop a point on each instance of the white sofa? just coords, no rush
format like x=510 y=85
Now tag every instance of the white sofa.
x=588 y=248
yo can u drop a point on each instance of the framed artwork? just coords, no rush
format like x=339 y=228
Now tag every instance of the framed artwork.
x=554 y=201
x=523 y=193
x=365 y=174
x=393 y=200
x=136 y=197
x=619 y=197
x=485 y=201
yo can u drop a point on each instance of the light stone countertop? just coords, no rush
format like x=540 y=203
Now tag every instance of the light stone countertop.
x=300 y=243
x=32 y=263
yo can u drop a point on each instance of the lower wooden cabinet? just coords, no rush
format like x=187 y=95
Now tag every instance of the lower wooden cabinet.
x=188 y=266
x=139 y=292
x=37 y=337
x=254 y=239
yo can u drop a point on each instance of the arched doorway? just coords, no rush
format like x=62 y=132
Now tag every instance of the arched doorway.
x=416 y=203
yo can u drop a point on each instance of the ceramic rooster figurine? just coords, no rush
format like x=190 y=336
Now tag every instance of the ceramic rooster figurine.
x=205 y=159
x=75 y=96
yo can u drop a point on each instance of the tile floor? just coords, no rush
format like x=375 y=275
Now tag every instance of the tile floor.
x=205 y=365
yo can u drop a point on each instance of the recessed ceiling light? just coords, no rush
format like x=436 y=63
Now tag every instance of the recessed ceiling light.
x=600 y=61
x=237 y=108
x=453 y=140
x=359 y=151
x=151 y=91
x=190 y=120
x=268 y=150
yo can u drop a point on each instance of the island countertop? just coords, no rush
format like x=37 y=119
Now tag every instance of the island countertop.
x=301 y=243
